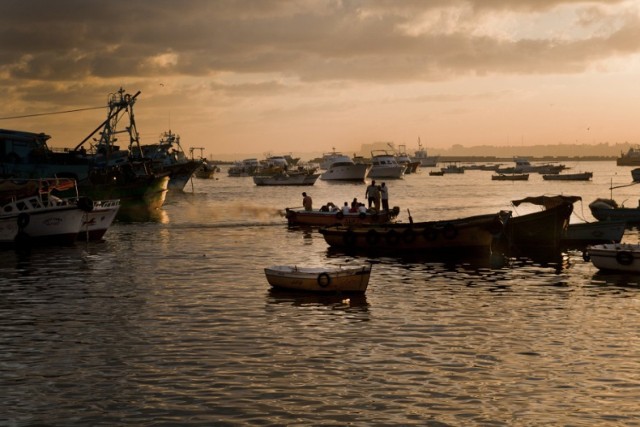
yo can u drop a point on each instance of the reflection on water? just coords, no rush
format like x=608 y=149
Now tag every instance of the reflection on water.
x=173 y=322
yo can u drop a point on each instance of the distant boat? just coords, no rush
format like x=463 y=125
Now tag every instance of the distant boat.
x=421 y=156
x=523 y=165
x=286 y=178
x=452 y=167
x=583 y=176
x=385 y=165
x=510 y=177
x=340 y=167
x=630 y=158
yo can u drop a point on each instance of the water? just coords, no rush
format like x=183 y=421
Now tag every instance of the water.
x=173 y=323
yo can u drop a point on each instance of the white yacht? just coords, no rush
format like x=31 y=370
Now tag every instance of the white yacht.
x=385 y=165
x=339 y=167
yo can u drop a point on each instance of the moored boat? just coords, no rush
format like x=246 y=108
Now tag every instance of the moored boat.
x=320 y=279
x=609 y=210
x=455 y=236
x=581 y=176
x=510 y=177
x=543 y=229
x=167 y=156
x=579 y=235
x=421 y=156
x=623 y=257
x=97 y=221
x=317 y=217
x=339 y=167
x=630 y=158
x=385 y=165
x=32 y=214
x=287 y=178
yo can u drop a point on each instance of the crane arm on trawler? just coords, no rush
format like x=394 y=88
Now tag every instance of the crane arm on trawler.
x=119 y=108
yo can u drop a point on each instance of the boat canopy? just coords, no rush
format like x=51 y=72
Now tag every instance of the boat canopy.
x=547 y=201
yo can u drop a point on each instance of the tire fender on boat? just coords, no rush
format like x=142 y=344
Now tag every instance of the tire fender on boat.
x=430 y=234
x=449 y=231
x=85 y=204
x=372 y=237
x=23 y=220
x=339 y=215
x=350 y=238
x=624 y=257
x=392 y=237
x=324 y=280
x=408 y=236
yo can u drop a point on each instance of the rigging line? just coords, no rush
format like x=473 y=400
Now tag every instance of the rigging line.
x=626 y=185
x=52 y=113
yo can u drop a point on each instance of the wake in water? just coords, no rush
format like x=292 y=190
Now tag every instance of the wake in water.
x=235 y=213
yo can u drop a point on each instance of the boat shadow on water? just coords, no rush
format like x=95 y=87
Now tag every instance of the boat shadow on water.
x=337 y=301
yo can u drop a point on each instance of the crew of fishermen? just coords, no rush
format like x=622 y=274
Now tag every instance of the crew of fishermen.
x=375 y=195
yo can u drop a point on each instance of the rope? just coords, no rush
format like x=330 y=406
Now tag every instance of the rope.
x=51 y=113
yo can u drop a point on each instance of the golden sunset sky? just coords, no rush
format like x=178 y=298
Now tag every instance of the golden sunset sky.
x=277 y=76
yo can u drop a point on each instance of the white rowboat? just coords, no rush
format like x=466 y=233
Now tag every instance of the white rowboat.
x=319 y=279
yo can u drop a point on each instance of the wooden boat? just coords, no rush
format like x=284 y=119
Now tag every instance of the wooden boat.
x=540 y=230
x=623 y=257
x=579 y=235
x=510 y=177
x=286 y=178
x=608 y=210
x=436 y=173
x=319 y=279
x=317 y=217
x=582 y=176
x=30 y=213
x=473 y=233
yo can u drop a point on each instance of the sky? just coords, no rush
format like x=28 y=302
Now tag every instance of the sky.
x=240 y=77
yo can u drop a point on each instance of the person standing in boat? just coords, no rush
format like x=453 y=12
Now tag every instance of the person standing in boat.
x=307 y=203
x=371 y=193
x=384 y=195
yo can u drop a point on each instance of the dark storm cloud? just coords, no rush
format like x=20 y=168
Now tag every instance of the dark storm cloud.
x=70 y=40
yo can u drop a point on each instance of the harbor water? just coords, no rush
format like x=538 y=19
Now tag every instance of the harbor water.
x=172 y=322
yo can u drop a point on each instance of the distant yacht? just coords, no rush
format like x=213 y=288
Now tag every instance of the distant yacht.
x=421 y=156
x=385 y=165
x=339 y=167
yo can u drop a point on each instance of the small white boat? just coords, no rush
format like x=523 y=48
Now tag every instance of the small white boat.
x=615 y=256
x=339 y=167
x=319 y=279
x=385 y=165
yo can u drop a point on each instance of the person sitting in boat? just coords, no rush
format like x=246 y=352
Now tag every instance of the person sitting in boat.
x=362 y=208
x=354 y=205
x=307 y=202
x=346 y=209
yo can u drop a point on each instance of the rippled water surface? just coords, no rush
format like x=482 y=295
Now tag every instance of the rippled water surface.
x=173 y=323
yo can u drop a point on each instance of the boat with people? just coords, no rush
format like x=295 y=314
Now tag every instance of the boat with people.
x=510 y=177
x=539 y=230
x=330 y=215
x=167 y=156
x=385 y=165
x=454 y=236
x=622 y=257
x=579 y=176
x=340 y=167
x=630 y=158
x=102 y=172
x=36 y=212
x=608 y=210
x=341 y=279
